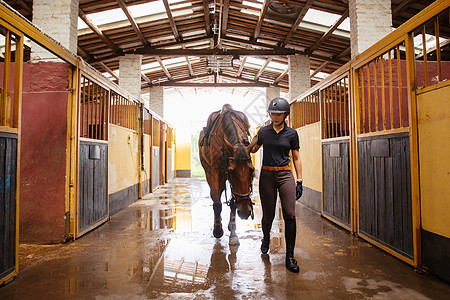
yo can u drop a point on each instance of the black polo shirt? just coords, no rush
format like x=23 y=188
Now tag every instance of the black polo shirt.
x=277 y=145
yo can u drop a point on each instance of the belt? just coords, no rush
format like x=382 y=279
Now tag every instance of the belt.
x=283 y=168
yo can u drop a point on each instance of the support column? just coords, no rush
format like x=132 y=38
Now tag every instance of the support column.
x=370 y=21
x=299 y=75
x=130 y=74
x=58 y=19
x=271 y=93
x=157 y=100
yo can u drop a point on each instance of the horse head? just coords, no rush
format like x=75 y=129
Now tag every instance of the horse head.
x=240 y=175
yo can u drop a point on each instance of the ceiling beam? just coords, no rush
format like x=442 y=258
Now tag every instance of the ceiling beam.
x=25 y=6
x=263 y=68
x=206 y=14
x=97 y=31
x=402 y=6
x=225 y=14
x=164 y=68
x=107 y=69
x=133 y=22
x=171 y=21
x=216 y=84
x=328 y=33
x=262 y=15
x=300 y=17
x=277 y=80
x=320 y=68
x=241 y=68
x=211 y=52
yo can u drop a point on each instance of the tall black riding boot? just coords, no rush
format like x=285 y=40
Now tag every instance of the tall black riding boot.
x=266 y=237
x=290 y=230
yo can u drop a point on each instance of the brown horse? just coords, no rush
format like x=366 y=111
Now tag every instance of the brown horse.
x=224 y=154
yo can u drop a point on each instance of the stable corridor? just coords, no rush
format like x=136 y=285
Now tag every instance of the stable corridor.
x=162 y=247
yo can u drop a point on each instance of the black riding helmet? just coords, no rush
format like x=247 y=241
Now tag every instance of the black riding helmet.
x=278 y=105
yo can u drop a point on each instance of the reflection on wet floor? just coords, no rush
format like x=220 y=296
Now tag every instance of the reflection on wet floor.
x=162 y=247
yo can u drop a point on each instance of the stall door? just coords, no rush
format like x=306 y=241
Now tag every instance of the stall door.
x=385 y=203
x=336 y=181
x=93 y=185
x=8 y=204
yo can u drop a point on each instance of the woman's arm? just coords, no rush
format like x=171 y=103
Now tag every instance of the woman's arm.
x=253 y=146
x=297 y=163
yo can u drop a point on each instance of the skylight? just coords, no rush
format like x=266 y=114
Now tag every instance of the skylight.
x=321 y=17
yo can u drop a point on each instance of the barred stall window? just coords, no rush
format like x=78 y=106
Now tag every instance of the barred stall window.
x=93 y=110
x=155 y=132
x=10 y=76
x=431 y=51
x=306 y=111
x=382 y=92
x=335 y=109
x=124 y=112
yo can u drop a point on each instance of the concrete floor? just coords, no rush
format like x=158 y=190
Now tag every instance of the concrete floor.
x=162 y=247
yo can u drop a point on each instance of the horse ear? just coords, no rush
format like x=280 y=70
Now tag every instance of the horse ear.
x=228 y=146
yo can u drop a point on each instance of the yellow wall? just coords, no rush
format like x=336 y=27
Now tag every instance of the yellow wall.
x=146 y=175
x=311 y=156
x=183 y=153
x=123 y=158
x=433 y=110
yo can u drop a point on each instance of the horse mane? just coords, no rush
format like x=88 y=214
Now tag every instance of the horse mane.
x=231 y=132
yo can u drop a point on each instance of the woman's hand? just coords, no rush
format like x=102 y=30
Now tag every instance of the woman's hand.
x=298 y=190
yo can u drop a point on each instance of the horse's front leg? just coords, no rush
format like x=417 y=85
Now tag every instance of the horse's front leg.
x=216 y=191
x=234 y=240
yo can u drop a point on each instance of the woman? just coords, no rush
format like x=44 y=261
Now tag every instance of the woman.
x=276 y=175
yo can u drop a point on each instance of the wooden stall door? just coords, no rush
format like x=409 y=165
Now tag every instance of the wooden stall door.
x=8 y=213
x=93 y=185
x=336 y=181
x=385 y=202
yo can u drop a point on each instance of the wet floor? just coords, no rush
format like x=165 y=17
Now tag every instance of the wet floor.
x=162 y=247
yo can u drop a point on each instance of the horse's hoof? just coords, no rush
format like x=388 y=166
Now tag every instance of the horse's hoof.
x=218 y=232
x=234 y=241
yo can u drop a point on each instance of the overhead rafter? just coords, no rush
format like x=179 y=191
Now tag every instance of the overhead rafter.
x=241 y=68
x=328 y=33
x=206 y=14
x=320 y=68
x=133 y=22
x=300 y=17
x=225 y=13
x=151 y=47
x=278 y=79
x=216 y=84
x=107 y=69
x=176 y=34
x=402 y=6
x=211 y=52
x=97 y=31
x=261 y=17
x=164 y=68
x=24 y=6
x=268 y=60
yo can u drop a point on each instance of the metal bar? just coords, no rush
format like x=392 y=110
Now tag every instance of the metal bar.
x=18 y=72
x=363 y=101
x=340 y=108
x=375 y=90
x=89 y=108
x=346 y=111
x=335 y=119
x=369 y=99
x=425 y=58
x=383 y=96
x=399 y=72
x=6 y=79
x=438 y=48
x=391 y=91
